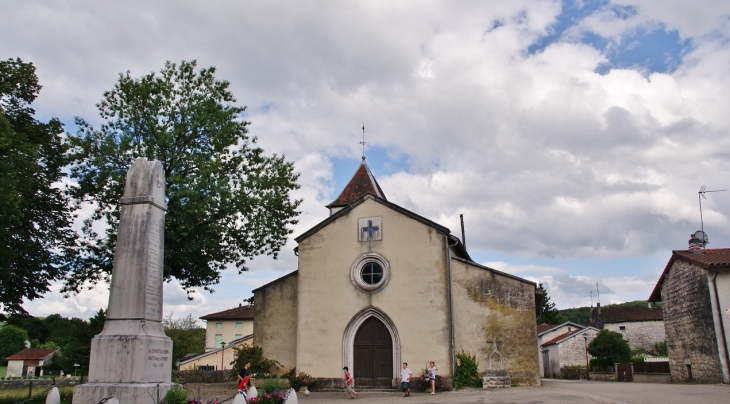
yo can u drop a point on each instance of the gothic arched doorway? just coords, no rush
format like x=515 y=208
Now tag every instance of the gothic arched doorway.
x=373 y=354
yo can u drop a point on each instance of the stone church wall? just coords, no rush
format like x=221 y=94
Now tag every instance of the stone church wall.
x=275 y=321
x=688 y=323
x=489 y=305
x=640 y=333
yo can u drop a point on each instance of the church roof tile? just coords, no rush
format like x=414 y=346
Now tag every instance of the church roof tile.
x=361 y=184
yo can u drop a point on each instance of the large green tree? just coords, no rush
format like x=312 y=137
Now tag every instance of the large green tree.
x=228 y=201
x=609 y=347
x=12 y=340
x=186 y=334
x=36 y=239
x=550 y=314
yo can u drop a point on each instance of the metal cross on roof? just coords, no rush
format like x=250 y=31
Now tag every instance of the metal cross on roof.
x=363 y=143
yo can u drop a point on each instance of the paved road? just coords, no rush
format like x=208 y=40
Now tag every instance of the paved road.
x=553 y=391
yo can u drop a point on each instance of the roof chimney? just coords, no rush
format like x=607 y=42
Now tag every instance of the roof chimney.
x=695 y=244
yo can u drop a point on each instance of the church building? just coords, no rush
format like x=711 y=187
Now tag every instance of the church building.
x=378 y=285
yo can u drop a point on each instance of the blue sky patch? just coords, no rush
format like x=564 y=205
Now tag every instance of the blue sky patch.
x=649 y=50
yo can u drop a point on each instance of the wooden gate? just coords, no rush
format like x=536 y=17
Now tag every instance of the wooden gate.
x=625 y=372
x=373 y=359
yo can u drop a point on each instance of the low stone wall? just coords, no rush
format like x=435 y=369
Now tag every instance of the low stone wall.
x=573 y=373
x=604 y=376
x=652 y=377
x=202 y=376
x=40 y=383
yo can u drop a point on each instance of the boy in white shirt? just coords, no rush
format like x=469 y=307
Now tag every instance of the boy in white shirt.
x=404 y=379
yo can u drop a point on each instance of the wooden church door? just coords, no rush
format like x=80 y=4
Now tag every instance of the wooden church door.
x=373 y=354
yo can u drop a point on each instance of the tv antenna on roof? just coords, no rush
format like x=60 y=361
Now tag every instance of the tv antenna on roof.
x=701 y=193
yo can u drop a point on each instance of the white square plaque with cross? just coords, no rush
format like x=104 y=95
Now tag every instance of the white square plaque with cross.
x=370 y=228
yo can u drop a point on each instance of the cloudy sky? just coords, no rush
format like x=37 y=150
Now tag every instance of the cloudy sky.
x=572 y=135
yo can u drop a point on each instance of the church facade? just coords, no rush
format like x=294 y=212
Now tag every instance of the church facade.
x=378 y=285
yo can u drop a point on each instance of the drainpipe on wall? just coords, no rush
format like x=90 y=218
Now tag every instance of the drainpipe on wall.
x=451 y=306
x=722 y=326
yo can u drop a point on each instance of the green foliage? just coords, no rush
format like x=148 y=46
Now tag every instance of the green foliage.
x=56 y=363
x=610 y=346
x=186 y=334
x=466 y=373
x=550 y=314
x=176 y=395
x=639 y=351
x=12 y=340
x=35 y=327
x=228 y=201
x=255 y=355
x=269 y=386
x=37 y=243
x=660 y=348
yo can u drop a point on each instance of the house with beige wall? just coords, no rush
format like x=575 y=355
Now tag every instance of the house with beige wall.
x=227 y=325
x=215 y=359
x=378 y=285
x=566 y=350
x=547 y=332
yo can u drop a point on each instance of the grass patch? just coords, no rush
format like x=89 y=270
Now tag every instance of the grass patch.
x=3 y=371
x=12 y=396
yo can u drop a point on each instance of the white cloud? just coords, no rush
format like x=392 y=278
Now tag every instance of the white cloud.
x=544 y=156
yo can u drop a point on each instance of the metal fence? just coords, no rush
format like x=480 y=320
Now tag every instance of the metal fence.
x=651 y=367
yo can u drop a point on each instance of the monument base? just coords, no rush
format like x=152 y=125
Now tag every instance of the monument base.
x=126 y=393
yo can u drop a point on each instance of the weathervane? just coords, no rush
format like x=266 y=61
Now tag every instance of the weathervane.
x=363 y=143
x=701 y=193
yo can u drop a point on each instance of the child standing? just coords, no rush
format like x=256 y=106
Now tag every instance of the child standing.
x=349 y=383
x=432 y=376
x=404 y=379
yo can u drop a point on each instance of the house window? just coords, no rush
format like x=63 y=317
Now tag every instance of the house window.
x=218 y=340
x=239 y=336
x=622 y=328
x=206 y=368
x=239 y=324
x=218 y=325
x=370 y=272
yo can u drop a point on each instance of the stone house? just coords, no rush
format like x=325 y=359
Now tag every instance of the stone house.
x=29 y=362
x=567 y=349
x=547 y=332
x=642 y=327
x=227 y=325
x=695 y=291
x=378 y=285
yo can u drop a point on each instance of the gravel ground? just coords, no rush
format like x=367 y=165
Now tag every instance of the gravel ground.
x=553 y=391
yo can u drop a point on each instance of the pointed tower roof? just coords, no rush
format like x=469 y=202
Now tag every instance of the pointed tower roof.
x=361 y=184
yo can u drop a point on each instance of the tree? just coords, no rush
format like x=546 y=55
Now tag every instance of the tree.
x=550 y=314
x=186 y=334
x=254 y=354
x=35 y=327
x=12 y=340
x=37 y=244
x=609 y=347
x=227 y=201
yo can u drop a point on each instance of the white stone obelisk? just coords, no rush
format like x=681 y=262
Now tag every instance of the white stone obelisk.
x=132 y=356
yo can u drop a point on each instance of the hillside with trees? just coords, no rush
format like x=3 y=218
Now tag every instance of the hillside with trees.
x=582 y=315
